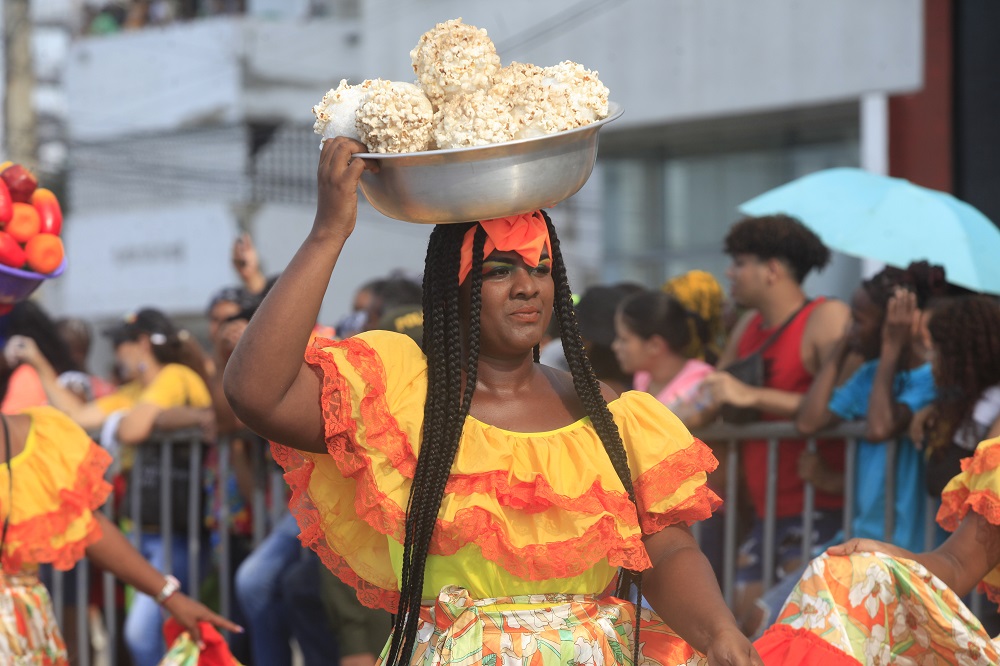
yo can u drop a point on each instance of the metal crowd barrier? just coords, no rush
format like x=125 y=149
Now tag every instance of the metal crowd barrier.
x=268 y=480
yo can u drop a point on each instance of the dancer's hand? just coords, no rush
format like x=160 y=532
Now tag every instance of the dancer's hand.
x=868 y=546
x=189 y=613
x=338 y=176
x=22 y=349
x=731 y=648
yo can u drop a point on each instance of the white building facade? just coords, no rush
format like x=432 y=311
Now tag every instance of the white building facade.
x=181 y=136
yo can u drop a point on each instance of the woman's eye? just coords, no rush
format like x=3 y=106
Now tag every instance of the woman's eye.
x=542 y=269
x=497 y=271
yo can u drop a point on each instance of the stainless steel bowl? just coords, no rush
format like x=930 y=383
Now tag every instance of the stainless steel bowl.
x=481 y=183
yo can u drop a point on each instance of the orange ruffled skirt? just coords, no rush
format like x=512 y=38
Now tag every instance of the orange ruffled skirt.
x=29 y=635
x=542 y=630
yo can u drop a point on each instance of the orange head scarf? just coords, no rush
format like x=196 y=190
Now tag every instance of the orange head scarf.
x=525 y=234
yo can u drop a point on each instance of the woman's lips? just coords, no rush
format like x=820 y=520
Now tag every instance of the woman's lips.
x=526 y=314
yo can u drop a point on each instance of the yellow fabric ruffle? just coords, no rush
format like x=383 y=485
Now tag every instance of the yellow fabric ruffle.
x=976 y=488
x=58 y=484
x=537 y=507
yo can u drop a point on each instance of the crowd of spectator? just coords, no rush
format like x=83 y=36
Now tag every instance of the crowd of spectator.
x=911 y=355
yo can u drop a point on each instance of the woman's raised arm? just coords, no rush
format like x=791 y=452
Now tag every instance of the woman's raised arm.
x=266 y=381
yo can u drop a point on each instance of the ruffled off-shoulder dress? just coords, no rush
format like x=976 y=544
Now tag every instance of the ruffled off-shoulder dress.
x=58 y=484
x=871 y=608
x=532 y=528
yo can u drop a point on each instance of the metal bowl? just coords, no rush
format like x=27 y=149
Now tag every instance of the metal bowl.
x=481 y=183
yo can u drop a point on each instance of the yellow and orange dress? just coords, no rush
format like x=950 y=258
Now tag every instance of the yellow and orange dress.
x=872 y=608
x=58 y=484
x=532 y=528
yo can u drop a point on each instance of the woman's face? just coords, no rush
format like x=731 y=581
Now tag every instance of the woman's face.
x=632 y=351
x=132 y=357
x=516 y=304
x=220 y=313
x=865 y=334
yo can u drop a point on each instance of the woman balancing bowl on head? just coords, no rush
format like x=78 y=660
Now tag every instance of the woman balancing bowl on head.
x=499 y=508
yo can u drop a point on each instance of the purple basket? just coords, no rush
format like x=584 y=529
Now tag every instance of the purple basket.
x=16 y=285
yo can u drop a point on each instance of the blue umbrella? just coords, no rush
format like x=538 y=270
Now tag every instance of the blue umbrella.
x=891 y=220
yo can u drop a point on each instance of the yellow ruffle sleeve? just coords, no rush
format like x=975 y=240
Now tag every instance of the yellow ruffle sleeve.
x=541 y=506
x=58 y=485
x=976 y=488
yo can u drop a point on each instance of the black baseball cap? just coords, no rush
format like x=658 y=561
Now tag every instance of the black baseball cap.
x=148 y=321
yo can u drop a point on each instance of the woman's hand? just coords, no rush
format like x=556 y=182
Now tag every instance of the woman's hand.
x=731 y=648
x=338 y=176
x=189 y=613
x=868 y=546
x=22 y=349
x=900 y=316
x=725 y=389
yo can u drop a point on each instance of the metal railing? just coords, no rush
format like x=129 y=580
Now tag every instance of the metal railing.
x=268 y=482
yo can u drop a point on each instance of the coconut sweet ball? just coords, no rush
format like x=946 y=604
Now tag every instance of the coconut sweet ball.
x=551 y=99
x=454 y=58
x=395 y=117
x=474 y=119
x=336 y=114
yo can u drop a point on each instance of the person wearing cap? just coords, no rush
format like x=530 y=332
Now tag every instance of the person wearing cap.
x=489 y=502
x=149 y=351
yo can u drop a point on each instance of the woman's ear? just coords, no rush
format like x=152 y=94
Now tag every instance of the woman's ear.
x=656 y=344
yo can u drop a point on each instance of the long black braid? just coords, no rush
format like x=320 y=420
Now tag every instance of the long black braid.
x=588 y=389
x=447 y=406
x=445 y=410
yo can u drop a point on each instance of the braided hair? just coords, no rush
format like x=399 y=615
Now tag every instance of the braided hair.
x=448 y=402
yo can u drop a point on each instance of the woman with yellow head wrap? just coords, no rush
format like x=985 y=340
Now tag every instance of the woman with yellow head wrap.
x=702 y=295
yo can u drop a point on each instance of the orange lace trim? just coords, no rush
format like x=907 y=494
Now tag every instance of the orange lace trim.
x=664 y=479
x=992 y=592
x=30 y=541
x=297 y=473
x=986 y=460
x=955 y=504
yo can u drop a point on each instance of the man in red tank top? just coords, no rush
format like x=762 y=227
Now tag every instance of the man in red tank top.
x=770 y=258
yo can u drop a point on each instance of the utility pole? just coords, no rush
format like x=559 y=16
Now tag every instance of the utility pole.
x=19 y=108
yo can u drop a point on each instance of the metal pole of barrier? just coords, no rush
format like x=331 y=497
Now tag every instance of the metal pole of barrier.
x=82 y=612
x=890 y=489
x=930 y=524
x=808 y=510
x=110 y=606
x=224 y=546
x=134 y=491
x=977 y=603
x=194 y=514
x=278 y=506
x=731 y=516
x=59 y=595
x=166 y=497
x=258 y=457
x=696 y=532
x=770 y=516
x=850 y=461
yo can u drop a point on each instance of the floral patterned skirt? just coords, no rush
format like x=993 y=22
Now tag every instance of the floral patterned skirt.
x=29 y=635
x=875 y=609
x=542 y=630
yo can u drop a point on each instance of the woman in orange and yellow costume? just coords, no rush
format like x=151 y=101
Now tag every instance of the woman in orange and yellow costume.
x=867 y=602
x=502 y=510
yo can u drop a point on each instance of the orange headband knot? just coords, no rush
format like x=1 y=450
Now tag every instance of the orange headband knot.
x=526 y=234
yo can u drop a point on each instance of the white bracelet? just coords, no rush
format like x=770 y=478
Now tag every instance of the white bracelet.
x=169 y=588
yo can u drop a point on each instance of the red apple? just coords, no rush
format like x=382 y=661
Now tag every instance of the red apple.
x=11 y=253
x=21 y=182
